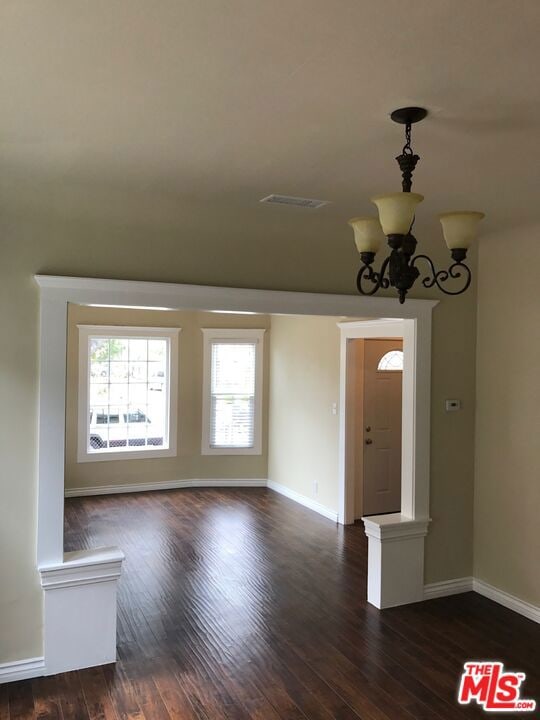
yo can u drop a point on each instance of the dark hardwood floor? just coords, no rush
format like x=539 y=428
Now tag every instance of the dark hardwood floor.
x=242 y=604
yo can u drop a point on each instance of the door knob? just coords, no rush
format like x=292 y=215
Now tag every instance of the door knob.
x=368 y=428
x=369 y=441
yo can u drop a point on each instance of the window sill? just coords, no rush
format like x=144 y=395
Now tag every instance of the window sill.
x=231 y=451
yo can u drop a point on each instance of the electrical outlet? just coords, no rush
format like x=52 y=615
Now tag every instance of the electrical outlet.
x=316 y=487
x=334 y=408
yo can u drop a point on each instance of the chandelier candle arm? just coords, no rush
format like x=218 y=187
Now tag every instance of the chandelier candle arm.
x=366 y=272
x=455 y=272
x=396 y=218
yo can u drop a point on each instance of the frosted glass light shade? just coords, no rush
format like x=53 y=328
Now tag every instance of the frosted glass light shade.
x=368 y=233
x=396 y=211
x=459 y=228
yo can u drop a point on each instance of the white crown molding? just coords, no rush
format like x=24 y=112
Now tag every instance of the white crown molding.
x=22 y=669
x=165 y=485
x=303 y=500
x=206 y=297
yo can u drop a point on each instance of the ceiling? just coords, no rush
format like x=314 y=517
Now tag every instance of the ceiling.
x=188 y=112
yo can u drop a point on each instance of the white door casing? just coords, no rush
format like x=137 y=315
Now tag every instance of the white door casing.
x=396 y=541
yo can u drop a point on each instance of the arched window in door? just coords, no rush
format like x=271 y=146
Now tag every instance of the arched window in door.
x=391 y=361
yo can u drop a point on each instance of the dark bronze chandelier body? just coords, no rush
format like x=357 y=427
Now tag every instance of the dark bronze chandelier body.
x=399 y=269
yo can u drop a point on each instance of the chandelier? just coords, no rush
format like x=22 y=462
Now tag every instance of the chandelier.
x=396 y=219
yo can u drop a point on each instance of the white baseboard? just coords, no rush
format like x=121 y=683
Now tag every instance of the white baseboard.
x=167 y=485
x=201 y=483
x=303 y=500
x=468 y=584
x=22 y=669
x=511 y=602
x=448 y=587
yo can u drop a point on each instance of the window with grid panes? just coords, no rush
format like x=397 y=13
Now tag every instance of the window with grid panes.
x=126 y=398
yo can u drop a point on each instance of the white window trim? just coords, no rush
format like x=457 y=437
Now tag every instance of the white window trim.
x=240 y=335
x=87 y=331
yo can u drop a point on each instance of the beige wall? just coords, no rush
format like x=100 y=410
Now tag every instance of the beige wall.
x=84 y=239
x=449 y=541
x=188 y=463
x=507 y=486
x=303 y=432
x=303 y=442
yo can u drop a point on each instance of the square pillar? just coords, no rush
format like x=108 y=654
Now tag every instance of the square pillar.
x=395 y=559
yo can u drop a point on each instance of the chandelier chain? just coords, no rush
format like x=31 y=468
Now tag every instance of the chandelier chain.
x=407 y=148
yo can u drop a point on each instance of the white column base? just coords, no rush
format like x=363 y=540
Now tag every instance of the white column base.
x=80 y=609
x=395 y=559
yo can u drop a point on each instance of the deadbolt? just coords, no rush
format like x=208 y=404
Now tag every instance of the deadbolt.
x=369 y=441
x=368 y=429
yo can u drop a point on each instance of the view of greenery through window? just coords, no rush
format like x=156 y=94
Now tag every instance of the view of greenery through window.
x=127 y=393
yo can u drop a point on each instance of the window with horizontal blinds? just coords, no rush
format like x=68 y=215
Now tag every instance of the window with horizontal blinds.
x=232 y=394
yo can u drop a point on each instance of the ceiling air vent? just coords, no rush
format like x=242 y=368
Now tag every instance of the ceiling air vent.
x=290 y=200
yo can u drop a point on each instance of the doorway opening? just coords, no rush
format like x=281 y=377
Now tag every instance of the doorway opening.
x=87 y=578
x=396 y=540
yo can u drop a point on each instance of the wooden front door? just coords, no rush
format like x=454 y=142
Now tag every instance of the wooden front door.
x=382 y=426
